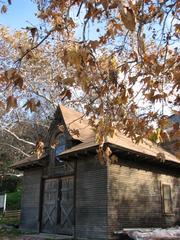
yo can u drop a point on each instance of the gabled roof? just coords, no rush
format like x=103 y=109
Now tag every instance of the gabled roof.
x=76 y=121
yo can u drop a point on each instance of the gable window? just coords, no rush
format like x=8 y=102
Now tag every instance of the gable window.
x=60 y=147
x=167 y=198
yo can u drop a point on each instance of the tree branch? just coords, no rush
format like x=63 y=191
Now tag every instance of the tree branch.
x=36 y=46
x=17 y=149
x=36 y=123
x=18 y=138
x=46 y=98
x=79 y=10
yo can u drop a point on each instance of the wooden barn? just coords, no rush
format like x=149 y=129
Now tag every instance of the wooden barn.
x=69 y=192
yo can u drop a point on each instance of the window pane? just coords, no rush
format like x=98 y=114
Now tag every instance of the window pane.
x=62 y=139
x=60 y=144
x=59 y=149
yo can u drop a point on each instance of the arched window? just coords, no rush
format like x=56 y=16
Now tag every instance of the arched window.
x=60 y=146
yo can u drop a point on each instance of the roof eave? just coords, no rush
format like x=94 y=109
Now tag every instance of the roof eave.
x=75 y=153
x=30 y=163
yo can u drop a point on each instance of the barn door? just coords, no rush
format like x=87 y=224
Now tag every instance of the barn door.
x=65 y=218
x=49 y=211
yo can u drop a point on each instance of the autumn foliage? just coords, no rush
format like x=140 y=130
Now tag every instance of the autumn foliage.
x=118 y=60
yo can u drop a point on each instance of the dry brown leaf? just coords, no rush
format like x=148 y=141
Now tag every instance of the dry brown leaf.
x=39 y=148
x=114 y=158
x=152 y=8
x=68 y=81
x=11 y=102
x=177 y=28
x=3 y=9
x=176 y=76
x=142 y=44
x=74 y=132
x=2 y=105
x=32 y=105
x=10 y=74
x=33 y=31
x=94 y=44
x=128 y=18
x=18 y=81
x=65 y=93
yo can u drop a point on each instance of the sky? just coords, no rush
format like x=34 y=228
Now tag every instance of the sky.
x=20 y=14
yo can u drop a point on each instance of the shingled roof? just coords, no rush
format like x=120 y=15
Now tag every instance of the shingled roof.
x=76 y=121
x=125 y=144
x=33 y=160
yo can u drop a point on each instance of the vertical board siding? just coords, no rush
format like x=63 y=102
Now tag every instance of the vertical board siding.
x=91 y=199
x=30 y=200
x=135 y=199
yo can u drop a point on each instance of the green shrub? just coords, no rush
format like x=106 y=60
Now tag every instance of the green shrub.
x=13 y=200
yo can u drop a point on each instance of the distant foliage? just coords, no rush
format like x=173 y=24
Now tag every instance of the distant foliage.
x=10 y=184
x=14 y=200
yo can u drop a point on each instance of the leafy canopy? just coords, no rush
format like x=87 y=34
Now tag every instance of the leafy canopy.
x=117 y=59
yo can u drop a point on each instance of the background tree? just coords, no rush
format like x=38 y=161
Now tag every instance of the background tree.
x=123 y=68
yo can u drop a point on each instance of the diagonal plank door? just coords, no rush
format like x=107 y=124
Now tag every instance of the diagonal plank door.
x=65 y=220
x=49 y=211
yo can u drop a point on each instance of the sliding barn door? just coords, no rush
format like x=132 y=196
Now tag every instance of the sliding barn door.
x=65 y=220
x=49 y=211
x=58 y=206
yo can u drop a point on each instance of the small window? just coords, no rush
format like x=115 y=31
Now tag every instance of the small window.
x=167 y=200
x=60 y=147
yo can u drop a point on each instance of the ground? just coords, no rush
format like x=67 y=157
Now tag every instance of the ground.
x=8 y=232
x=32 y=237
x=11 y=233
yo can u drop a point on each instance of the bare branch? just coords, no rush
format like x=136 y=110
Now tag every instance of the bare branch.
x=79 y=10
x=18 y=149
x=36 y=46
x=18 y=138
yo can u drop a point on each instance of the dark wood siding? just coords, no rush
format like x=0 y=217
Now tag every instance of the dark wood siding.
x=91 y=199
x=135 y=197
x=30 y=203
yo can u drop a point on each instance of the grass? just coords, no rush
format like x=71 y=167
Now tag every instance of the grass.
x=8 y=225
x=9 y=232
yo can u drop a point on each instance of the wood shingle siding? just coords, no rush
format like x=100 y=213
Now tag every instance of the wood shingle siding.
x=135 y=197
x=91 y=199
x=30 y=202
